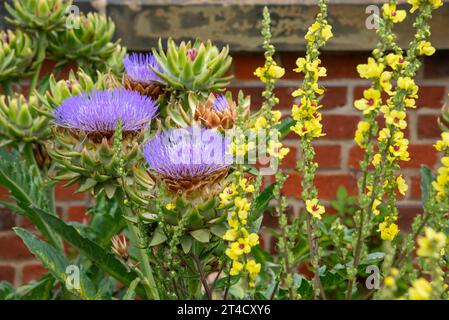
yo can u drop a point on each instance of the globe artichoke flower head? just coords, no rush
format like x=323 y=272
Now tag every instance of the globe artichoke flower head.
x=85 y=130
x=198 y=67
x=140 y=75
x=190 y=161
x=96 y=114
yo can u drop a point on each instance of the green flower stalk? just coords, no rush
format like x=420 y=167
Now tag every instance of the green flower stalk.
x=196 y=67
x=308 y=126
x=391 y=142
x=268 y=119
x=90 y=45
x=16 y=56
x=38 y=15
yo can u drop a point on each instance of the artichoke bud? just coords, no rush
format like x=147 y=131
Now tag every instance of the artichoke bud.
x=40 y=15
x=22 y=121
x=218 y=111
x=193 y=67
x=17 y=51
x=90 y=45
x=199 y=221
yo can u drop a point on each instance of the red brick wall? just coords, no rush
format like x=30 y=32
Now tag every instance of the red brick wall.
x=337 y=154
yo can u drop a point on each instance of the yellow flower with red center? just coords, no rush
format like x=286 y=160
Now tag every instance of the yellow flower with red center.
x=397 y=118
x=396 y=61
x=392 y=14
x=314 y=208
x=370 y=101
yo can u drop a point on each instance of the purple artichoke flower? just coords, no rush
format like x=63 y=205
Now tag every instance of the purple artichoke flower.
x=137 y=67
x=188 y=159
x=98 y=111
x=220 y=103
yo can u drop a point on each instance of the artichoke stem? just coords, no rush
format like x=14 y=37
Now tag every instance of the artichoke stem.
x=42 y=37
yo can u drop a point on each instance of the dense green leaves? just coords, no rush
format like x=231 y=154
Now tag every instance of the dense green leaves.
x=102 y=258
x=57 y=264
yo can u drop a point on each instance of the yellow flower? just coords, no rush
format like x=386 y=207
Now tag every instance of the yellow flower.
x=389 y=281
x=325 y=34
x=376 y=203
x=237 y=267
x=395 y=61
x=301 y=65
x=409 y=85
x=245 y=185
x=402 y=185
x=385 y=83
x=227 y=194
x=397 y=118
x=445 y=161
x=376 y=159
x=369 y=102
x=276 y=116
x=384 y=134
x=371 y=69
x=388 y=231
x=362 y=128
x=253 y=268
x=233 y=223
x=170 y=206
x=275 y=149
x=253 y=239
x=276 y=72
x=431 y=244
x=442 y=144
x=231 y=235
x=242 y=204
x=261 y=123
x=425 y=48
x=273 y=72
x=314 y=208
x=420 y=290
x=400 y=148
x=394 y=15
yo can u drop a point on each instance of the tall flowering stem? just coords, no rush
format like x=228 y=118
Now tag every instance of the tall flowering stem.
x=269 y=119
x=392 y=146
x=308 y=126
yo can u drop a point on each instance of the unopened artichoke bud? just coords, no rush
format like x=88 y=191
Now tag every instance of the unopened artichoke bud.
x=85 y=133
x=16 y=54
x=140 y=77
x=198 y=67
x=190 y=162
x=89 y=45
x=443 y=120
x=21 y=122
x=38 y=15
x=218 y=111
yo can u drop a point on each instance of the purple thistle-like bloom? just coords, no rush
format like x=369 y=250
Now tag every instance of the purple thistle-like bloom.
x=220 y=103
x=180 y=154
x=137 y=67
x=98 y=111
